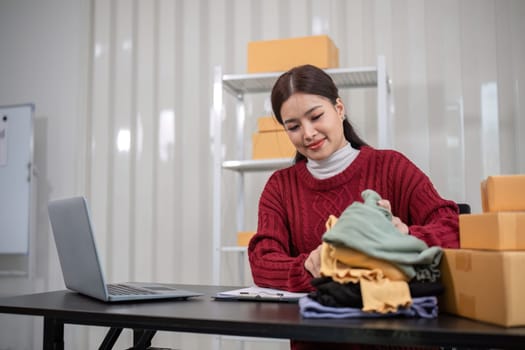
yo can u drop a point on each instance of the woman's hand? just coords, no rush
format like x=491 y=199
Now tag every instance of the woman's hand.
x=400 y=225
x=312 y=264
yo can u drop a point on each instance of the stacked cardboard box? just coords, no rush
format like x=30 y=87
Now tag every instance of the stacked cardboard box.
x=271 y=140
x=283 y=54
x=244 y=237
x=483 y=279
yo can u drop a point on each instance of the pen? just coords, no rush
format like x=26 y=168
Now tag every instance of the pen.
x=259 y=294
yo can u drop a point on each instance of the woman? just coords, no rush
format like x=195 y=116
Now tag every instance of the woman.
x=333 y=165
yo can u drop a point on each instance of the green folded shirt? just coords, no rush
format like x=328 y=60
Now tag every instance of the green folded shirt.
x=368 y=228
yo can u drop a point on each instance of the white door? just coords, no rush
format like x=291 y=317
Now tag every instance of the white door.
x=16 y=138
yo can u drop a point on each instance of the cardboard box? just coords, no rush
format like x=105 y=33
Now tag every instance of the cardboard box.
x=493 y=231
x=243 y=238
x=274 y=144
x=269 y=123
x=281 y=55
x=503 y=193
x=486 y=286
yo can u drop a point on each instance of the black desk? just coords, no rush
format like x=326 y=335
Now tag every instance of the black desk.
x=252 y=319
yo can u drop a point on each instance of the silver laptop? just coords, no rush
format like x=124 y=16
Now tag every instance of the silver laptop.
x=73 y=231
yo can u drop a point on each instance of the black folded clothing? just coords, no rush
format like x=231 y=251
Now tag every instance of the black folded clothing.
x=335 y=294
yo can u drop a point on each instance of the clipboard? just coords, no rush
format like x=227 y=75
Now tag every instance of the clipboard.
x=255 y=293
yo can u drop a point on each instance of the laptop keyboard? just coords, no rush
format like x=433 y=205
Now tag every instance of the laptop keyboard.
x=121 y=289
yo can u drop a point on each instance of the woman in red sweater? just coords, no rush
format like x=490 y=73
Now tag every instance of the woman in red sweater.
x=333 y=165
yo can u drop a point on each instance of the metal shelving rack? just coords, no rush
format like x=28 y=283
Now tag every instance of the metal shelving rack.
x=238 y=85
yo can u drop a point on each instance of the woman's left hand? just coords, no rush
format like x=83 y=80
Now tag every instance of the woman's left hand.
x=400 y=225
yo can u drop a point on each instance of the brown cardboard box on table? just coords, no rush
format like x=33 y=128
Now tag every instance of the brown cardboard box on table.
x=503 y=193
x=493 y=231
x=484 y=285
x=484 y=278
x=271 y=140
x=283 y=54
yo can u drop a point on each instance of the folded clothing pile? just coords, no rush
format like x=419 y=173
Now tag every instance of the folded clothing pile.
x=370 y=269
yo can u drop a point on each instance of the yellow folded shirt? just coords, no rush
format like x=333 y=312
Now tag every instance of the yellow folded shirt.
x=352 y=258
x=382 y=295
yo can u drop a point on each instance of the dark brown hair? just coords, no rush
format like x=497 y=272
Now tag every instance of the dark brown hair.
x=310 y=80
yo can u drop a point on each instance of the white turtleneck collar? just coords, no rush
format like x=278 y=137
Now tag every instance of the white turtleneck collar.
x=334 y=164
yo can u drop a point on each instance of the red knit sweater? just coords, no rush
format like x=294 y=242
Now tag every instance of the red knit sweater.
x=294 y=207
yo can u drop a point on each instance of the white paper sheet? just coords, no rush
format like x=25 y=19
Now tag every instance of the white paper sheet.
x=259 y=294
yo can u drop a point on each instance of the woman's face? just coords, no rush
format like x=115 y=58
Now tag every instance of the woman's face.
x=314 y=125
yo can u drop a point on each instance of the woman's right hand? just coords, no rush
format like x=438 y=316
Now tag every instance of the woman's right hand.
x=312 y=264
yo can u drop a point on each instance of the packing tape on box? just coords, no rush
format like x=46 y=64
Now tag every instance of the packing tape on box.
x=463 y=262
x=468 y=304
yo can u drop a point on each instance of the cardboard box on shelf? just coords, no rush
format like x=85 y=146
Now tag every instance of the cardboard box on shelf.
x=268 y=123
x=243 y=238
x=283 y=54
x=484 y=285
x=503 y=193
x=272 y=144
x=492 y=231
